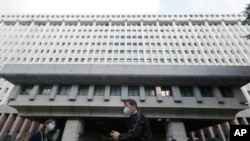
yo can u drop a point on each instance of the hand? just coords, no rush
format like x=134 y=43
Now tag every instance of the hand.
x=115 y=135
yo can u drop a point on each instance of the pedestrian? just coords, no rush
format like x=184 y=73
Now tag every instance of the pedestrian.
x=139 y=126
x=46 y=133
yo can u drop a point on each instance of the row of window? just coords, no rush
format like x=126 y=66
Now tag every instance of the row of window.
x=119 y=37
x=129 y=43
x=122 y=51
x=121 y=24
x=130 y=29
x=126 y=28
x=132 y=91
x=127 y=60
x=119 y=16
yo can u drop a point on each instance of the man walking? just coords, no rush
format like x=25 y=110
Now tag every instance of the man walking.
x=139 y=127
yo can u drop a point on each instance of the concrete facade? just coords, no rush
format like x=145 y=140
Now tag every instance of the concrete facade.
x=183 y=70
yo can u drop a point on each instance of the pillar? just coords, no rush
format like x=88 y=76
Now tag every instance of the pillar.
x=175 y=130
x=72 y=130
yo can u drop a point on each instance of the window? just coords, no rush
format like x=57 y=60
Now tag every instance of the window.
x=166 y=91
x=99 y=90
x=64 y=90
x=133 y=91
x=27 y=90
x=46 y=90
x=83 y=90
x=115 y=91
x=206 y=92
x=226 y=92
x=150 y=91
x=186 y=91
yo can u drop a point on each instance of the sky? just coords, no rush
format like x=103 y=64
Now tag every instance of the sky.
x=121 y=6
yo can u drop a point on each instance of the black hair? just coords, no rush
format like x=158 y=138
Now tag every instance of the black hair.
x=131 y=102
x=46 y=123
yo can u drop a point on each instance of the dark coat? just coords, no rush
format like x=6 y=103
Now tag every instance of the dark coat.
x=139 y=129
x=37 y=136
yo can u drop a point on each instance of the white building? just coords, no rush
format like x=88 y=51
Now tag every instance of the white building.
x=151 y=58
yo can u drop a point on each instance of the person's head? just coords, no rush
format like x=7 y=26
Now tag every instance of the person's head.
x=130 y=107
x=50 y=124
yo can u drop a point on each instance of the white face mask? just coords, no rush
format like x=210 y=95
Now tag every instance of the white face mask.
x=51 y=126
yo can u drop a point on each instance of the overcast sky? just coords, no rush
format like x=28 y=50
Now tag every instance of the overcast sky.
x=121 y=6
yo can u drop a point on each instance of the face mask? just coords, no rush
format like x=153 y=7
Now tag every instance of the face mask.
x=126 y=111
x=51 y=127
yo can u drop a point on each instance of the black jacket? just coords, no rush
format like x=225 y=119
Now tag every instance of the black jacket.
x=139 y=129
x=39 y=135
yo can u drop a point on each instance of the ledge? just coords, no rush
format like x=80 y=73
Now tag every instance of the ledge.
x=188 y=109
x=125 y=74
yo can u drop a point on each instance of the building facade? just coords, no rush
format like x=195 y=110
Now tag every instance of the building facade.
x=185 y=71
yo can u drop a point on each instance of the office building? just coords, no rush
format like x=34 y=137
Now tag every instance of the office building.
x=185 y=71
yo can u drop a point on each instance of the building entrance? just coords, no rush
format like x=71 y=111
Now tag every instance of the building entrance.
x=93 y=128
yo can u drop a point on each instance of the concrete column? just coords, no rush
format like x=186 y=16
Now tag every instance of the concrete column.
x=201 y=135
x=14 y=128
x=197 y=94
x=226 y=129
x=226 y=126
x=7 y=126
x=34 y=127
x=176 y=94
x=142 y=93
x=244 y=90
x=107 y=93
x=158 y=93
x=3 y=118
x=211 y=132
x=24 y=128
x=72 y=130
x=124 y=93
x=91 y=92
x=192 y=136
x=238 y=94
x=175 y=130
x=235 y=122
x=54 y=91
x=221 y=133
x=73 y=92
x=34 y=92
x=244 y=120
x=218 y=94
x=15 y=91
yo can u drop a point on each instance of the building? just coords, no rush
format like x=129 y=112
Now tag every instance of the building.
x=185 y=71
